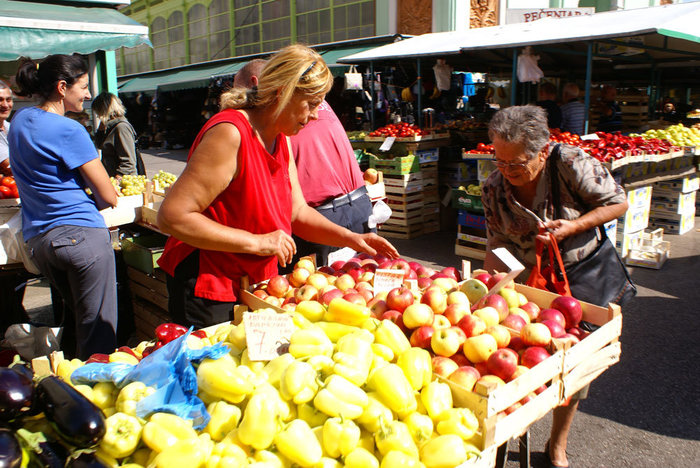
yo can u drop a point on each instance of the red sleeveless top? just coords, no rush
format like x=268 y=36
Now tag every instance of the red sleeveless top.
x=258 y=200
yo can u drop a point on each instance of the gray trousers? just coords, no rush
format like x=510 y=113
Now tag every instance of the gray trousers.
x=79 y=263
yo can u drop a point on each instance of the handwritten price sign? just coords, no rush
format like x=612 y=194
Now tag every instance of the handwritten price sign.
x=386 y=280
x=267 y=334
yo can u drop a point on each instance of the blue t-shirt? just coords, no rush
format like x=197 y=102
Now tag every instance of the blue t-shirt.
x=46 y=151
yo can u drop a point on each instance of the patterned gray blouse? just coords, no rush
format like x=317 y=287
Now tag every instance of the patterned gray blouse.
x=584 y=185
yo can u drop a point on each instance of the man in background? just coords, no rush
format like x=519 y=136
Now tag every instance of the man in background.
x=610 y=112
x=548 y=96
x=572 y=110
x=6 y=103
x=329 y=174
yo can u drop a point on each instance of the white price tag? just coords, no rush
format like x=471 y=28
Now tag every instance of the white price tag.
x=513 y=265
x=267 y=334
x=388 y=143
x=386 y=280
x=344 y=254
x=590 y=136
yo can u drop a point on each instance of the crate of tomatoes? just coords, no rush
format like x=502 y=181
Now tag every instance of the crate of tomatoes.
x=403 y=131
x=9 y=196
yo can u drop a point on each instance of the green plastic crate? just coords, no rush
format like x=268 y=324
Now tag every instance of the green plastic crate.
x=461 y=200
x=396 y=166
x=143 y=252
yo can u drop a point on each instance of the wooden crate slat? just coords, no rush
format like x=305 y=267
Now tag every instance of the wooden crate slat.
x=405 y=207
x=608 y=333
x=150 y=295
x=470 y=252
x=590 y=369
x=148 y=281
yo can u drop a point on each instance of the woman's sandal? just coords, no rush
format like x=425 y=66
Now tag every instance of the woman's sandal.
x=546 y=453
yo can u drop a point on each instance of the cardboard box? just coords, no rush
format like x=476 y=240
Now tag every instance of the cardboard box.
x=639 y=197
x=685 y=184
x=636 y=219
x=143 y=252
x=128 y=210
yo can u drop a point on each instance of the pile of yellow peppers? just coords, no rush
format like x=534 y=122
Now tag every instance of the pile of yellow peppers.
x=350 y=393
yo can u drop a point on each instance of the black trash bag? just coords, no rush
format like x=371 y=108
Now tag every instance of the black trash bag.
x=30 y=341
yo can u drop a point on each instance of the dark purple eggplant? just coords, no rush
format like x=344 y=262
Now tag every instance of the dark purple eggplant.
x=85 y=460
x=42 y=451
x=16 y=394
x=10 y=450
x=74 y=418
x=22 y=368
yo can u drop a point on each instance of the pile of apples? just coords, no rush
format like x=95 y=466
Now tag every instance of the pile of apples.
x=473 y=334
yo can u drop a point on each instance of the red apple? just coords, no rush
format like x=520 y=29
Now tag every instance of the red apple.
x=326 y=269
x=436 y=298
x=328 y=296
x=420 y=338
x=461 y=360
x=516 y=343
x=351 y=265
x=377 y=307
x=533 y=356
x=414 y=266
x=535 y=334
x=355 y=298
x=401 y=264
x=261 y=293
x=496 y=277
x=465 y=377
x=345 y=281
x=577 y=332
x=502 y=363
x=472 y=325
x=483 y=277
x=369 y=264
x=443 y=366
x=520 y=370
x=570 y=307
x=514 y=322
x=552 y=314
x=424 y=283
x=338 y=265
x=480 y=366
x=497 y=302
x=424 y=271
x=396 y=317
x=570 y=338
x=278 y=286
x=399 y=298
x=452 y=272
x=555 y=328
x=513 y=408
x=455 y=312
x=540 y=389
x=532 y=309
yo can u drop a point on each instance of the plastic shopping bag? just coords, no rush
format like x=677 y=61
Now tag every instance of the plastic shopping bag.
x=528 y=70
x=353 y=79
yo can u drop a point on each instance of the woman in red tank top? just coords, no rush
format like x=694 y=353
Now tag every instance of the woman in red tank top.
x=232 y=211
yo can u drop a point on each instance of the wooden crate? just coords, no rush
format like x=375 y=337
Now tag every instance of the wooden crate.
x=399 y=231
x=470 y=242
x=147 y=317
x=149 y=298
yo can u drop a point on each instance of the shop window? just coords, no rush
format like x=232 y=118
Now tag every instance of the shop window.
x=244 y=3
x=304 y=6
x=217 y=7
x=351 y=19
x=275 y=9
x=246 y=16
x=176 y=39
x=220 y=45
x=198 y=33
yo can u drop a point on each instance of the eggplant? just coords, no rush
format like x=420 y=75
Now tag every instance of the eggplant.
x=85 y=460
x=16 y=394
x=42 y=451
x=74 y=418
x=10 y=451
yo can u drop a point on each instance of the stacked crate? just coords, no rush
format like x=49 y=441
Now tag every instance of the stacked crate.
x=428 y=160
x=630 y=227
x=635 y=110
x=673 y=204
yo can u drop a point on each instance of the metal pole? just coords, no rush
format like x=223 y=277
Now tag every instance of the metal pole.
x=371 y=93
x=419 y=102
x=587 y=98
x=514 y=78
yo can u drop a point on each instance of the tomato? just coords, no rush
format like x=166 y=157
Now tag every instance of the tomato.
x=9 y=181
x=5 y=192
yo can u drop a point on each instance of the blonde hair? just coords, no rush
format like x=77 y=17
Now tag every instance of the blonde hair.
x=108 y=106
x=294 y=69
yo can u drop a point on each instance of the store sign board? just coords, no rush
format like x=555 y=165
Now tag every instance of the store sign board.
x=527 y=15
x=267 y=334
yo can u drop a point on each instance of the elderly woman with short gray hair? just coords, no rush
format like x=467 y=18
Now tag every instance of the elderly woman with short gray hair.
x=519 y=210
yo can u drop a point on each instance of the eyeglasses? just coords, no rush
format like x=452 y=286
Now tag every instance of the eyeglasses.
x=504 y=165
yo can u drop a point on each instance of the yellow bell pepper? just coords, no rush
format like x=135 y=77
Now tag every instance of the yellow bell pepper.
x=311 y=310
x=123 y=433
x=361 y=458
x=398 y=459
x=445 y=451
x=323 y=365
x=437 y=398
x=224 y=418
x=285 y=409
x=276 y=367
x=141 y=456
x=232 y=438
x=106 y=459
x=259 y=424
x=297 y=443
x=84 y=390
x=187 y=453
x=342 y=311
x=221 y=333
x=351 y=367
x=417 y=366
x=383 y=352
x=339 y=397
x=130 y=395
x=104 y=395
x=300 y=321
x=340 y=437
x=394 y=435
x=65 y=368
x=374 y=410
x=367 y=441
x=420 y=426
x=272 y=457
x=255 y=366
x=326 y=462
x=393 y=388
x=458 y=421
x=164 y=430
x=226 y=455
x=334 y=330
x=123 y=357
x=237 y=337
x=298 y=383
x=311 y=415
x=310 y=342
x=222 y=378
x=389 y=334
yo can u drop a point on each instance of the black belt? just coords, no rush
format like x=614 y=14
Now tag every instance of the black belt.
x=344 y=199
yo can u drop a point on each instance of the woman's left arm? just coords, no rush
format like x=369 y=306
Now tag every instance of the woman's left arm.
x=312 y=226
x=563 y=228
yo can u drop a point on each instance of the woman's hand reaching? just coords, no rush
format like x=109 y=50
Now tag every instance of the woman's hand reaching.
x=277 y=243
x=559 y=228
x=373 y=244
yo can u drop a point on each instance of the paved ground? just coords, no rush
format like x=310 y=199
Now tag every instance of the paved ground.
x=643 y=412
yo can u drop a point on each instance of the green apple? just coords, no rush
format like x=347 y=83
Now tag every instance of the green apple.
x=511 y=296
x=474 y=289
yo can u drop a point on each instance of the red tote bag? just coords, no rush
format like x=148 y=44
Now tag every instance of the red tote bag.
x=546 y=277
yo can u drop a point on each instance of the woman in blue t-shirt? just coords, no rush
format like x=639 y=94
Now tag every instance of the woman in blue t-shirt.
x=54 y=161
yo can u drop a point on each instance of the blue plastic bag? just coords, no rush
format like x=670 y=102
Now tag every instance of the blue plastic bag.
x=169 y=370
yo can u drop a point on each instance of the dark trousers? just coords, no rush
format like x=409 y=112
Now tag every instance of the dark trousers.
x=79 y=263
x=353 y=216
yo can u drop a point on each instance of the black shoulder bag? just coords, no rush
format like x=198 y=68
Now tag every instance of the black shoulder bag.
x=601 y=277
